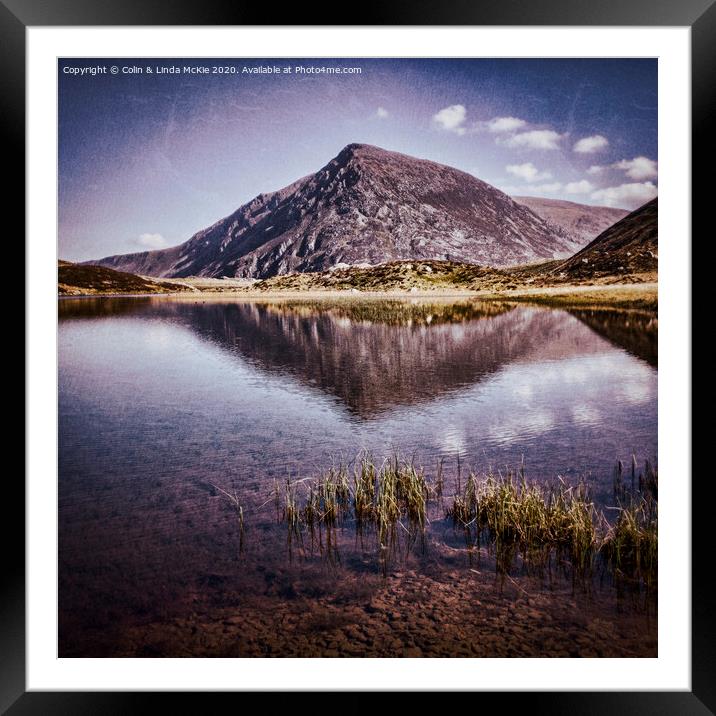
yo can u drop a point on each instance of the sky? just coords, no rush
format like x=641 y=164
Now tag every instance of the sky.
x=164 y=148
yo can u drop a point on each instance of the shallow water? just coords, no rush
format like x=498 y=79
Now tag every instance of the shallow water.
x=162 y=399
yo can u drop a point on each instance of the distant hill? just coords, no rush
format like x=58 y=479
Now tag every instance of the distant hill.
x=630 y=246
x=77 y=279
x=366 y=206
x=581 y=221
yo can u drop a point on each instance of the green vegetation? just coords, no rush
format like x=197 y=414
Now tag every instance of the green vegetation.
x=528 y=519
x=631 y=543
x=535 y=521
x=390 y=500
x=521 y=523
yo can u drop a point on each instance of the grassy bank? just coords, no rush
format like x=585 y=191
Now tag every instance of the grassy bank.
x=629 y=296
x=539 y=283
x=639 y=296
x=429 y=276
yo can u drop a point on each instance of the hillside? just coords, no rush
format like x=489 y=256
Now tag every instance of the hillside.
x=630 y=246
x=583 y=221
x=77 y=279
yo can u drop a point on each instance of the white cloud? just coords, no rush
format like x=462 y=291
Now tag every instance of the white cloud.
x=626 y=196
x=505 y=124
x=451 y=118
x=534 y=139
x=638 y=168
x=579 y=187
x=382 y=113
x=594 y=170
x=152 y=241
x=527 y=171
x=589 y=145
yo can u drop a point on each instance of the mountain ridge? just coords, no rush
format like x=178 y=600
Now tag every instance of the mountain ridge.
x=583 y=221
x=366 y=205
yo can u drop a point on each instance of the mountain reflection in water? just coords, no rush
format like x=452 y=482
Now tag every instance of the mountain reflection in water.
x=378 y=355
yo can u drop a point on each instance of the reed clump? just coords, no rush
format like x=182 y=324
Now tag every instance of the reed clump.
x=388 y=500
x=631 y=542
x=536 y=521
x=528 y=518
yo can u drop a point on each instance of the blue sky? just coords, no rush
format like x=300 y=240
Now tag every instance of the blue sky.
x=146 y=160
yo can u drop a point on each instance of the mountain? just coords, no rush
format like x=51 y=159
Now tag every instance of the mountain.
x=367 y=205
x=630 y=246
x=581 y=221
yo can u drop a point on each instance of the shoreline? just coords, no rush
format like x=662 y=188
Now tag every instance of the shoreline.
x=616 y=295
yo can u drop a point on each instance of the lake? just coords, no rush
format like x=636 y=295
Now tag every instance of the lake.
x=168 y=405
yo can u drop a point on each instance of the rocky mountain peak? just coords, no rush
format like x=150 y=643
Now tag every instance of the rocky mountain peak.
x=366 y=205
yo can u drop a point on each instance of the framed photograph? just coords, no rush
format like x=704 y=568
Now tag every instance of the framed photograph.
x=346 y=368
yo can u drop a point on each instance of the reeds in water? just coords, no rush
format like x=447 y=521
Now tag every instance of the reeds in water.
x=631 y=542
x=233 y=499
x=537 y=521
x=540 y=524
x=387 y=500
x=528 y=518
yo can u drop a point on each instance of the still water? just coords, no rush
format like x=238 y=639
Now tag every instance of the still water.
x=161 y=400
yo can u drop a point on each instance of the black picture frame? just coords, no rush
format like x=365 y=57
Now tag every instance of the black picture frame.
x=17 y=15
